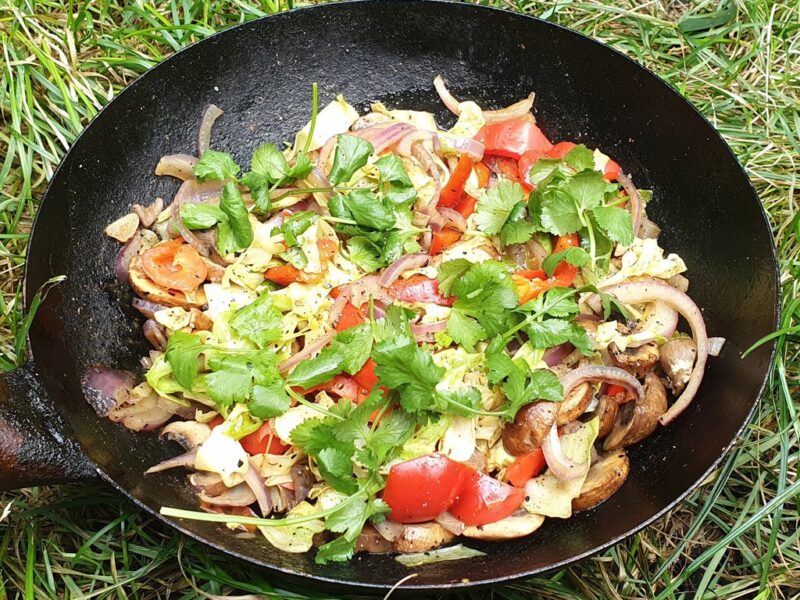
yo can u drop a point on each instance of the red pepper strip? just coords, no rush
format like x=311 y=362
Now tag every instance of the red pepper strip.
x=451 y=193
x=526 y=467
x=467 y=205
x=444 y=239
x=484 y=174
x=286 y=274
x=350 y=317
x=530 y=284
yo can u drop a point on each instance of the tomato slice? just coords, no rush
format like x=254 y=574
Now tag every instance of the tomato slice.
x=174 y=265
x=444 y=239
x=419 y=288
x=422 y=488
x=561 y=149
x=512 y=138
x=350 y=317
x=526 y=162
x=451 y=193
x=612 y=171
x=485 y=500
x=263 y=440
x=526 y=467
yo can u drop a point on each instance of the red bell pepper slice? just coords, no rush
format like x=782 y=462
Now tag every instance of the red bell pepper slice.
x=484 y=500
x=512 y=138
x=444 y=239
x=451 y=193
x=526 y=467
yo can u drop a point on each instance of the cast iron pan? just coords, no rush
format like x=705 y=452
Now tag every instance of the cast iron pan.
x=260 y=73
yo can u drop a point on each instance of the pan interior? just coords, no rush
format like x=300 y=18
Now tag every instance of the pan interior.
x=260 y=74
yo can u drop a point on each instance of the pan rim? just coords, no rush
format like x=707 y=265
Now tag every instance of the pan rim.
x=367 y=587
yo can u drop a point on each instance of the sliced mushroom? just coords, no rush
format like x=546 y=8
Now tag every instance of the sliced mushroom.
x=574 y=405
x=677 y=360
x=148 y=290
x=530 y=427
x=421 y=538
x=606 y=410
x=189 y=434
x=369 y=540
x=605 y=477
x=518 y=525
x=477 y=461
x=636 y=420
x=207 y=483
x=636 y=361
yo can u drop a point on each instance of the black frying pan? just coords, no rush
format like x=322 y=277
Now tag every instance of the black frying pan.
x=260 y=73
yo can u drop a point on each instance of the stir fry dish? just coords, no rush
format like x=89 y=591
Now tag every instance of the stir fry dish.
x=388 y=336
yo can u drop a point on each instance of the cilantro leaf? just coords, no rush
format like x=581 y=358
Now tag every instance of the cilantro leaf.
x=337 y=469
x=496 y=204
x=351 y=154
x=616 y=222
x=367 y=210
x=354 y=345
x=400 y=196
x=217 y=166
x=182 y=353
x=560 y=215
x=230 y=381
x=269 y=400
x=348 y=351
x=486 y=292
x=391 y=170
x=260 y=322
x=232 y=204
x=295 y=257
x=556 y=302
x=363 y=254
x=546 y=170
x=580 y=158
x=575 y=256
x=517 y=232
x=270 y=163
x=201 y=216
x=450 y=272
x=339 y=550
x=587 y=188
x=464 y=329
x=296 y=225
x=461 y=400
x=313 y=371
x=552 y=332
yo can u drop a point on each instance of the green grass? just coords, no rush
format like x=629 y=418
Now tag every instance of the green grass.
x=738 y=536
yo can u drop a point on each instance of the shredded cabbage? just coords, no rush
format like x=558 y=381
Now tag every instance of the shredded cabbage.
x=645 y=257
x=425 y=440
x=459 y=439
x=550 y=496
x=223 y=455
x=332 y=120
x=295 y=538
x=417 y=118
x=173 y=318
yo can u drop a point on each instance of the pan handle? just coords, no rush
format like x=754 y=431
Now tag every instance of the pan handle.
x=36 y=446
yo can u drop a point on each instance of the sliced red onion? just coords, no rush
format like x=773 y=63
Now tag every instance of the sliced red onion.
x=454 y=218
x=405 y=145
x=126 y=253
x=238 y=495
x=317 y=179
x=147 y=308
x=553 y=356
x=182 y=460
x=557 y=461
x=210 y=115
x=424 y=332
x=256 y=483
x=648 y=229
x=427 y=161
x=338 y=307
x=369 y=132
x=634 y=199
x=660 y=319
x=305 y=353
x=715 y=345
x=195 y=192
x=588 y=317
x=447 y=98
x=649 y=290
x=389 y=136
x=472 y=148
x=180 y=166
x=106 y=388
x=517 y=110
x=361 y=290
x=154 y=333
x=450 y=523
x=402 y=264
x=572 y=379
x=390 y=530
x=426 y=240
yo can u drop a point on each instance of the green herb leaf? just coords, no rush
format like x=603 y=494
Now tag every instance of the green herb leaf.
x=560 y=215
x=587 y=188
x=496 y=205
x=260 y=322
x=201 y=216
x=616 y=222
x=270 y=163
x=352 y=153
x=269 y=400
x=367 y=210
x=296 y=225
x=450 y=272
x=337 y=469
x=577 y=257
x=182 y=353
x=392 y=170
x=363 y=254
x=217 y=166
x=232 y=205
x=580 y=158
x=464 y=329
